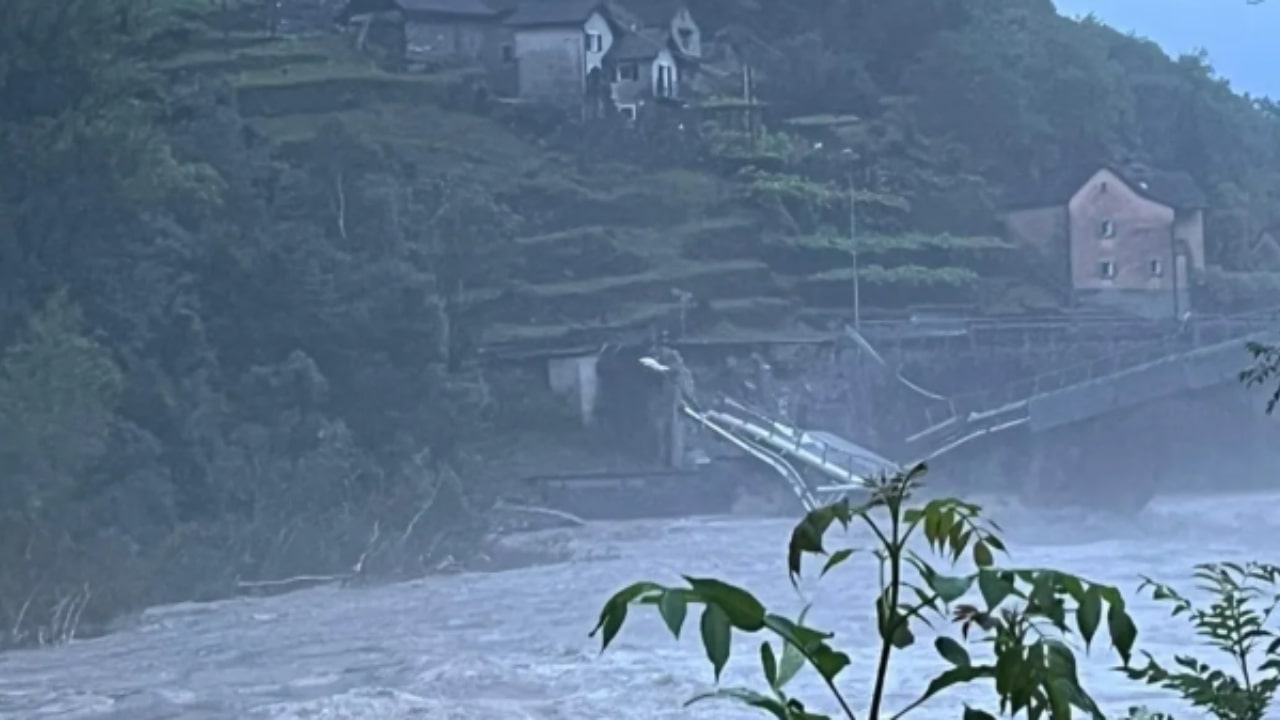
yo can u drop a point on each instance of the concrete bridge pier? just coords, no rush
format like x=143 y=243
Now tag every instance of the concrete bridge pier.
x=1094 y=464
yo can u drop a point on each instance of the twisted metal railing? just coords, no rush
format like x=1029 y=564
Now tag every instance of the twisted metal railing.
x=847 y=464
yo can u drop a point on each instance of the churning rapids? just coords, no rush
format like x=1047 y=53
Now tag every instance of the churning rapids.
x=510 y=645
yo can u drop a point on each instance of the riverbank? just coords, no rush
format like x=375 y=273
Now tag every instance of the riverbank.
x=513 y=643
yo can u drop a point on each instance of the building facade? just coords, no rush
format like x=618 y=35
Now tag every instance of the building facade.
x=563 y=52
x=1127 y=238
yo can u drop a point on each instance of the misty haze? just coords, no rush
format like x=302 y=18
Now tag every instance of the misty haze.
x=630 y=359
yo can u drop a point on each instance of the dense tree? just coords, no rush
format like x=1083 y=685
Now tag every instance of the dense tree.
x=219 y=362
x=226 y=355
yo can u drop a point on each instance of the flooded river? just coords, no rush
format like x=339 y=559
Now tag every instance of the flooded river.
x=512 y=645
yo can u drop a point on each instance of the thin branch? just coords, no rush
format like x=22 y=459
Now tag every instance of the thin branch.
x=16 y=632
x=358 y=568
x=319 y=579
x=426 y=506
x=548 y=512
x=341 y=199
x=72 y=622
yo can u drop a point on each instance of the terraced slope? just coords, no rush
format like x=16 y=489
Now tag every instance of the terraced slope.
x=606 y=245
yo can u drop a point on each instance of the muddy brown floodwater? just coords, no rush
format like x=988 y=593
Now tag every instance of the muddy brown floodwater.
x=511 y=645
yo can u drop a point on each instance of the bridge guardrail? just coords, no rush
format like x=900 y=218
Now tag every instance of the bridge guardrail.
x=1201 y=333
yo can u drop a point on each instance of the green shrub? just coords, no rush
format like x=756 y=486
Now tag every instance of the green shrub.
x=1023 y=614
x=1243 y=599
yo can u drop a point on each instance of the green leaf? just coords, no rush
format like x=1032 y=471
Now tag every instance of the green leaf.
x=982 y=555
x=808 y=534
x=673 y=608
x=1042 y=590
x=1073 y=585
x=1062 y=662
x=792 y=657
x=903 y=638
x=949 y=589
x=804 y=637
x=810 y=645
x=952 y=651
x=836 y=558
x=614 y=612
x=1059 y=699
x=994 y=588
x=1123 y=632
x=741 y=607
x=973 y=714
x=1111 y=595
x=749 y=698
x=1089 y=614
x=611 y=620
x=955 y=676
x=891 y=620
x=829 y=662
x=716 y=634
x=769 y=663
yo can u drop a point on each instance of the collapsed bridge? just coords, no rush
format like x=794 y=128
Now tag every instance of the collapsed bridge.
x=816 y=466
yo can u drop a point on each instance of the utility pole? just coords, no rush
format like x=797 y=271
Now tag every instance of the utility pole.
x=1173 y=274
x=685 y=298
x=853 y=253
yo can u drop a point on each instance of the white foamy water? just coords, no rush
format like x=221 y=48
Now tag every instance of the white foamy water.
x=512 y=645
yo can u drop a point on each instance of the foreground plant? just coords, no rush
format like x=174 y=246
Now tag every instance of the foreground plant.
x=1243 y=600
x=1023 y=615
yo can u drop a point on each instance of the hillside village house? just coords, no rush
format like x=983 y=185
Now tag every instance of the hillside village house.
x=1264 y=251
x=565 y=52
x=1125 y=237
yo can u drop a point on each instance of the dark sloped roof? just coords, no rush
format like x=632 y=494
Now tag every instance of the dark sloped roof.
x=653 y=13
x=351 y=8
x=472 y=8
x=643 y=44
x=1174 y=189
x=454 y=8
x=623 y=16
x=531 y=13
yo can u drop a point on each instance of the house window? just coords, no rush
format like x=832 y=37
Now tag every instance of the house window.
x=666 y=81
x=1156 y=267
x=594 y=42
x=508 y=54
x=628 y=71
x=1107 y=229
x=1107 y=270
x=628 y=111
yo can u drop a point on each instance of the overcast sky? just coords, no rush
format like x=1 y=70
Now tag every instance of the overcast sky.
x=1243 y=40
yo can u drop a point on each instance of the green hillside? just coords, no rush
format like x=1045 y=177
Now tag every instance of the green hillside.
x=598 y=243
x=247 y=276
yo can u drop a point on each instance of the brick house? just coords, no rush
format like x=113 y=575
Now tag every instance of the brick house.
x=1125 y=237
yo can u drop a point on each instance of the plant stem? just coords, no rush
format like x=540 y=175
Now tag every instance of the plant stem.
x=894 y=548
x=1242 y=651
x=844 y=704
x=831 y=685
